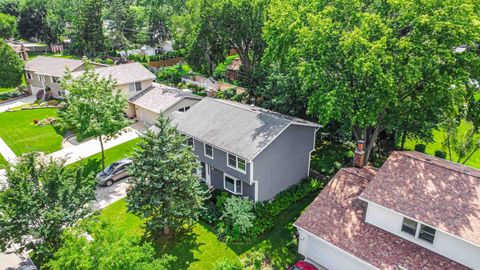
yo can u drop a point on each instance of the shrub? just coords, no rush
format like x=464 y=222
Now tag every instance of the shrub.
x=255 y=260
x=237 y=216
x=440 y=154
x=173 y=74
x=226 y=264
x=420 y=147
x=109 y=61
x=267 y=212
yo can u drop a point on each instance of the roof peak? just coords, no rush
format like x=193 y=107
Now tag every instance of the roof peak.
x=257 y=109
x=439 y=162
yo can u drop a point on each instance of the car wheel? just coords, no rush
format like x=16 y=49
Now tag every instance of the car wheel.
x=109 y=183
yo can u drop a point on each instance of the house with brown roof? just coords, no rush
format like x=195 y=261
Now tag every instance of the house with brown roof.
x=415 y=212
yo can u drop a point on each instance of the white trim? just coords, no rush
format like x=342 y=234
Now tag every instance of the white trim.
x=256 y=190
x=381 y=206
x=313 y=150
x=334 y=247
x=205 y=151
x=234 y=184
x=236 y=162
x=251 y=172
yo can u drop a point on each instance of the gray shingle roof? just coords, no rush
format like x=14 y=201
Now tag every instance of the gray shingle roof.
x=234 y=127
x=159 y=98
x=52 y=66
x=123 y=74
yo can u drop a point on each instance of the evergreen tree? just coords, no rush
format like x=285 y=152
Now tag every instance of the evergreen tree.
x=88 y=38
x=165 y=187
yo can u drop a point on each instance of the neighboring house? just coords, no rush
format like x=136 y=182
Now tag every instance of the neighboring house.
x=233 y=69
x=161 y=99
x=415 y=212
x=20 y=49
x=247 y=150
x=44 y=73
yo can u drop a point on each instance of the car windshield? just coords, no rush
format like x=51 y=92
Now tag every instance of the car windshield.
x=110 y=168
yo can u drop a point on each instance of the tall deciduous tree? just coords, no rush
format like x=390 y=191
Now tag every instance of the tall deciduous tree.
x=94 y=108
x=88 y=38
x=8 y=26
x=165 y=187
x=11 y=66
x=98 y=245
x=42 y=198
x=376 y=64
x=209 y=29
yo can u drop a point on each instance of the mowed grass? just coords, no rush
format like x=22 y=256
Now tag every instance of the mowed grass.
x=93 y=163
x=3 y=162
x=22 y=135
x=200 y=248
x=437 y=144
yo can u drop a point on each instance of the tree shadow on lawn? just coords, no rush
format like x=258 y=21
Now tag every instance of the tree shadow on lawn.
x=279 y=244
x=182 y=247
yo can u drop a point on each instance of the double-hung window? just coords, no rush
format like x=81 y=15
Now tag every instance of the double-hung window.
x=418 y=230
x=184 y=109
x=236 y=163
x=208 y=150
x=189 y=141
x=29 y=75
x=41 y=78
x=135 y=87
x=232 y=185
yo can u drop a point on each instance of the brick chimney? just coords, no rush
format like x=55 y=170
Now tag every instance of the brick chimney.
x=359 y=156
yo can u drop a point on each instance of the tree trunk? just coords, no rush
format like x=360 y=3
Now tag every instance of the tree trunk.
x=470 y=155
x=404 y=137
x=103 y=153
x=166 y=230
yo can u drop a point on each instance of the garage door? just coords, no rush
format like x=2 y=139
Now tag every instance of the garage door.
x=146 y=116
x=331 y=257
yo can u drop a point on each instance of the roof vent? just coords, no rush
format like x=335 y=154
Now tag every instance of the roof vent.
x=427 y=159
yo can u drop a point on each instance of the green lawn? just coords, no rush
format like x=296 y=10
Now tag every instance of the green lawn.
x=22 y=135
x=93 y=163
x=3 y=162
x=200 y=248
x=439 y=138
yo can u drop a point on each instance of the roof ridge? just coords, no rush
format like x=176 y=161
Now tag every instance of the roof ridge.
x=429 y=160
x=232 y=104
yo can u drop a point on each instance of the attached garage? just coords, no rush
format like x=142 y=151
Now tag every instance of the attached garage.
x=161 y=99
x=327 y=255
x=145 y=116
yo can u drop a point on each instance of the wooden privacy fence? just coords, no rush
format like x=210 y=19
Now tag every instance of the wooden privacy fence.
x=165 y=63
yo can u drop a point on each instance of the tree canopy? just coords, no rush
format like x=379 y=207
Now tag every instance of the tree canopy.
x=42 y=198
x=165 y=187
x=11 y=66
x=209 y=29
x=377 y=65
x=88 y=37
x=93 y=107
x=8 y=26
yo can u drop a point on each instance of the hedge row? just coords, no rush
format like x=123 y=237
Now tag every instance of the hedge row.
x=267 y=212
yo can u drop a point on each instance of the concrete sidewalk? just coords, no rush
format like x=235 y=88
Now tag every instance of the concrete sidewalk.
x=15 y=103
x=6 y=152
x=91 y=147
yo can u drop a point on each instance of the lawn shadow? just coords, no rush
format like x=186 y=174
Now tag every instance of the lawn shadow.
x=90 y=165
x=182 y=247
x=279 y=244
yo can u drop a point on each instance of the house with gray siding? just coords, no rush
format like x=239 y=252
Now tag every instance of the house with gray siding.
x=247 y=150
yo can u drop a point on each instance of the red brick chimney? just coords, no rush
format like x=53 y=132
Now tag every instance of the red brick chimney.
x=359 y=156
